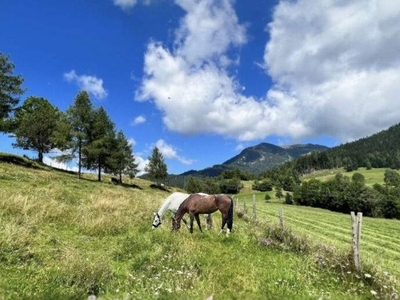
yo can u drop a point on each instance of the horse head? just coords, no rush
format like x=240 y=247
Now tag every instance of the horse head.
x=175 y=224
x=156 y=221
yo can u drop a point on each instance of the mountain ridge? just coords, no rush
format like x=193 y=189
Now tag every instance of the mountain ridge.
x=258 y=158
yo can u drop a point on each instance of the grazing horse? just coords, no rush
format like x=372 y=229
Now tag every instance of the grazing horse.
x=172 y=203
x=197 y=204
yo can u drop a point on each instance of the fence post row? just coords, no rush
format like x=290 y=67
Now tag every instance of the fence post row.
x=356 y=238
x=356 y=229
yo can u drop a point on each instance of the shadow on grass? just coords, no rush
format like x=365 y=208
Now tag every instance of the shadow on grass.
x=18 y=160
x=159 y=187
x=131 y=185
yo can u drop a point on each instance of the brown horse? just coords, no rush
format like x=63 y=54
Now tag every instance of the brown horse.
x=197 y=204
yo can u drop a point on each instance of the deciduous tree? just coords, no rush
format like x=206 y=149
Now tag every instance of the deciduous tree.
x=36 y=123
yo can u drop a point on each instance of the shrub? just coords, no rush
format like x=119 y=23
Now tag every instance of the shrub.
x=263 y=186
x=288 y=198
x=267 y=198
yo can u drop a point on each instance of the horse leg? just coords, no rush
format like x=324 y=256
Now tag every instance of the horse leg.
x=173 y=218
x=191 y=222
x=208 y=221
x=224 y=216
x=198 y=221
x=186 y=223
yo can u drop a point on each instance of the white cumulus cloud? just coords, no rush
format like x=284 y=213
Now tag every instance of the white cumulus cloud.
x=338 y=62
x=169 y=151
x=138 y=120
x=142 y=164
x=334 y=64
x=91 y=84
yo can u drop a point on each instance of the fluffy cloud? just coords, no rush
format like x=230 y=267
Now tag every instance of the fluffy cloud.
x=191 y=84
x=338 y=61
x=91 y=84
x=142 y=164
x=169 y=151
x=334 y=65
x=138 y=120
x=125 y=4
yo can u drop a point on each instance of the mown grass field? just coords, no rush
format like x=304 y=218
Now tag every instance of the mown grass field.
x=64 y=238
x=380 y=237
x=371 y=176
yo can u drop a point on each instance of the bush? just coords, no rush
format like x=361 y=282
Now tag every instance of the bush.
x=263 y=186
x=267 y=197
x=288 y=198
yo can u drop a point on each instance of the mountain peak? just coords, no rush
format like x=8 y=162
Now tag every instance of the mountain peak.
x=261 y=157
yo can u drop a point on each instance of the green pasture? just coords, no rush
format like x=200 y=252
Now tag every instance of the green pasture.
x=380 y=237
x=371 y=176
x=65 y=238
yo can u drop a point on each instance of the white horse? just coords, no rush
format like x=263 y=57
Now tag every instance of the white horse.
x=172 y=203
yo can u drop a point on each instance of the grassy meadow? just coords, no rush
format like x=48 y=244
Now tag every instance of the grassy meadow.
x=380 y=237
x=371 y=176
x=64 y=238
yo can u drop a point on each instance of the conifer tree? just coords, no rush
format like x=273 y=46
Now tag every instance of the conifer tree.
x=10 y=89
x=99 y=146
x=80 y=117
x=122 y=160
x=157 y=169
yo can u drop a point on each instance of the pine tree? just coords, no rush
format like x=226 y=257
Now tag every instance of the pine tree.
x=99 y=146
x=80 y=117
x=157 y=169
x=10 y=89
x=122 y=160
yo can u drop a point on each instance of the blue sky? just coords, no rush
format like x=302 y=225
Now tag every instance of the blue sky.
x=202 y=79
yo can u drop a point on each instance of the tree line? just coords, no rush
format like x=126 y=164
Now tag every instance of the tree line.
x=82 y=132
x=343 y=194
x=381 y=150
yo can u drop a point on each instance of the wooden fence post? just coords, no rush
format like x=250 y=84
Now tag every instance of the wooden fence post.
x=281 y=217
x=356 y=238
x=254 y=217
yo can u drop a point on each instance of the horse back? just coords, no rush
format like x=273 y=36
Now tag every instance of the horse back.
x=200 y=204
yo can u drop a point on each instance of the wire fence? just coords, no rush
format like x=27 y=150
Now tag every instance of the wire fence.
x=248 y=209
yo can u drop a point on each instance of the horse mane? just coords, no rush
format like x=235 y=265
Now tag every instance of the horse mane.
x=164 y=206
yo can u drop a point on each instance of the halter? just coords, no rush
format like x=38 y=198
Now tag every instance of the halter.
x=158 y=216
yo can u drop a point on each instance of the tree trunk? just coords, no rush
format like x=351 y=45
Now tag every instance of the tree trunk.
x=99 y=174
x=79 y=159
x=40 y=156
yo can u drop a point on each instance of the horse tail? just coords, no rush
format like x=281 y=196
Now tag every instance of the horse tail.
x=229 y=220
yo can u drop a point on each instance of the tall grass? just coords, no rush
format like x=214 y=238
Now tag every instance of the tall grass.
x=64 y=238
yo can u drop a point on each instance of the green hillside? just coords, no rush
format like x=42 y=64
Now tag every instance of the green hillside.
x=371 y=176
x=64 y=238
